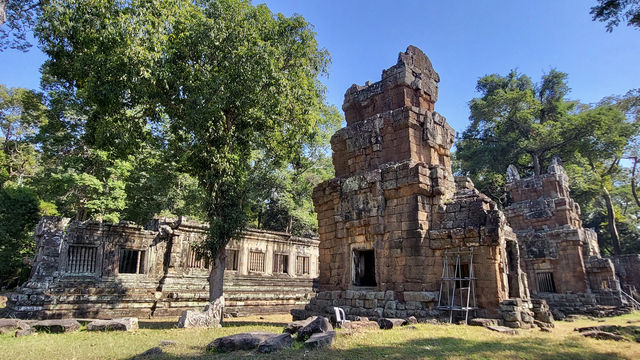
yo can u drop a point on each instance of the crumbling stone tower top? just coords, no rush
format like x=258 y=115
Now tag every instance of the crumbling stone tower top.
x=403 y=98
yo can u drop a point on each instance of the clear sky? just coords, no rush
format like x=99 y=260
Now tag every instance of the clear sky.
x=464 y=40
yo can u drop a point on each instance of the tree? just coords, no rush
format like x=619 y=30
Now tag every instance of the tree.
x=514 y=122
x=17 y=18
x=229 y=77
x=19 y=213
x=283 y=193
x=614 y=11
x=21 y=115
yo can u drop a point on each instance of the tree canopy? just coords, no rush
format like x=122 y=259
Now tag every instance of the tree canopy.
x=221 y=80
x=615 y=11
x=515 y=121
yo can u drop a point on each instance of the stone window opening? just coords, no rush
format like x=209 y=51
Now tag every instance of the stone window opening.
x=302 y=265
x=256 y=261
x=196 y=260
x=81 y=259
x=231 y=262
x=545 y=282
x=364 y=268
x=132 y=261
x=280 y=263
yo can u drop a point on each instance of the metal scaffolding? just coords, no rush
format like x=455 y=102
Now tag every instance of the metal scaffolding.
x=457 y=288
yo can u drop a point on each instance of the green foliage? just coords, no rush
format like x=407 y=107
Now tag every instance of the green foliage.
x=227 y=77
x=283 y=194
x=21 y=115
x=514 y=122
x=19 y=213
x=614 y=11
x=17 y=17
x=517 y=122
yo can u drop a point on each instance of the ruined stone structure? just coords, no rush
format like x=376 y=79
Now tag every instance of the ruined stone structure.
x=562 y=259
x=99 y=270
x=394 y=209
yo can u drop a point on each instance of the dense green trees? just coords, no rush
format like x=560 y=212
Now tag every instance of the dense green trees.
x=515 y=121
x=222 y=80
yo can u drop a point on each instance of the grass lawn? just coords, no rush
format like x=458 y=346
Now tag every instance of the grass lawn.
x=426 y=341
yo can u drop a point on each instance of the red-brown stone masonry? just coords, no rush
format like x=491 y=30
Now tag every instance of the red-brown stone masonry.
x=398 y=97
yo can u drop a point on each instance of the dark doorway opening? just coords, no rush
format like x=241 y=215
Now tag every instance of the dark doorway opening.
x=364 y=262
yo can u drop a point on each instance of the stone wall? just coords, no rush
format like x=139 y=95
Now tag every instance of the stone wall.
x=561 y=258
x=394 y=208
x=627 y=269
x=100 y=270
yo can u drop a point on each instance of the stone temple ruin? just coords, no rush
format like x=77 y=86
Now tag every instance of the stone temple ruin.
x=400 y=236
x=99 y=270
x=395 y=213
x=561 y=258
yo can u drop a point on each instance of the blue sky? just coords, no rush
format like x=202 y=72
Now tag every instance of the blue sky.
x=464 y=40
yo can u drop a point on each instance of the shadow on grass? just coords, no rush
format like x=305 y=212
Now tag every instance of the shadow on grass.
x=253 y=323
x=429 y=348
x=157 y=325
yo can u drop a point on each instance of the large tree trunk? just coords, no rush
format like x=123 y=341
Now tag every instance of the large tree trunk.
x=216 y=280
x=611 y=218
x=633 y=181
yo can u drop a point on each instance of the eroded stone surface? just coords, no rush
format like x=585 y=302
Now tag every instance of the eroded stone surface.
x=210 y=317
x=276 y=343
x=318 y=325
x=483 y=322
x=319 y=340
x=502 y=329
x=243 y=341
x=294 y=326
x=124 y=324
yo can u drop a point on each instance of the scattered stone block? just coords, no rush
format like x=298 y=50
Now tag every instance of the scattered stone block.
x=386 y=323
x=299 y=314
x=543 y=325
x=603 y=335
x=243 y=341
x=483 y=322
x=276 y=343
x=9 y=324
x=124 y=324
x=164 y=343
x=210 y=317
x=361 y=325
x=294 y=326
x=318 y=325
x=57 y=326
x=502 y=329
x=319 y=340
x=411 y=320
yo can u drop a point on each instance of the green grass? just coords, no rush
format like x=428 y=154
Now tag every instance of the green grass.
x=426 y=341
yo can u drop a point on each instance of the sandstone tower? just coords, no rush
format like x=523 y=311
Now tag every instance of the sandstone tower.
x=394 y=209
